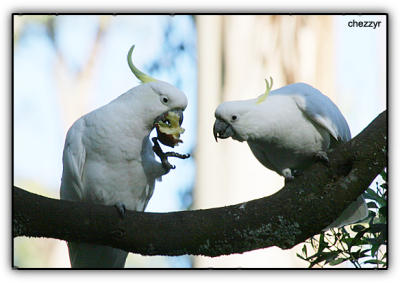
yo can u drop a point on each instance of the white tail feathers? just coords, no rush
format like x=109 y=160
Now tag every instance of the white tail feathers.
x=355 y=212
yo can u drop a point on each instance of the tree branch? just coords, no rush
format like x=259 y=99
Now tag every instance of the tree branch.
x=301 y=209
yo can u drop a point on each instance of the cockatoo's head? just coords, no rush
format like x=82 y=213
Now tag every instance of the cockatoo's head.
x=230 y=120
x=169 y=105
x=164 y=102
x=235 y=118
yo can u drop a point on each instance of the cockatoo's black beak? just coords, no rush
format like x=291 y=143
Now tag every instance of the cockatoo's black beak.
x=222 y=130
x=163 y=117
x=180 y=114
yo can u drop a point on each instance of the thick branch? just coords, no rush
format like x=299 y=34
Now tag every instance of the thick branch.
x=299 y=210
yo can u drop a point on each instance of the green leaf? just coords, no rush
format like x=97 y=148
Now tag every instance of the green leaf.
x=357 y=241
x=372 y=204
x=384 y=175
x=331 y=256
x=337 y=261
x=371 y=214
x=374 y=241
x=383 y=211
x=347 y=241
x=372 y=195
x=359 y=253
x=300 y=256
x=321 y=243
x=357 y=228
x=375 y=261
x=324 y=256
x=377 y=228
x=374 y=249
x=304 y=250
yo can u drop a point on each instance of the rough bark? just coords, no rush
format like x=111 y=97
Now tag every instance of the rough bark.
x=299 y=210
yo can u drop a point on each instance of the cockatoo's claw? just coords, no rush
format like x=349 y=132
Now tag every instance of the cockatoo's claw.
x=296 y=173
x=121 y=209
x=164 y=155
x=167 y=166
x=177 y=155
x=287 y=173
x=322 y=156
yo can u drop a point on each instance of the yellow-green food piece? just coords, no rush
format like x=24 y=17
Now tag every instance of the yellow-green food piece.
x=173 y=127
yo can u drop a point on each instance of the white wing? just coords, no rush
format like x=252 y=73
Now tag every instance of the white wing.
x=73 y=163
x=319 y=108
x=83 y=255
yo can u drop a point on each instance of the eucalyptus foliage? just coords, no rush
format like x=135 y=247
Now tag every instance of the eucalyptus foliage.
x=364 y=245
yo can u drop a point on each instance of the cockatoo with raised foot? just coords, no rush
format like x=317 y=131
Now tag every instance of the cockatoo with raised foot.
x=109 y=159
x=287 y=130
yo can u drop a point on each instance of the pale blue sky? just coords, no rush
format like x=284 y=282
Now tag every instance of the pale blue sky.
x=360 y=69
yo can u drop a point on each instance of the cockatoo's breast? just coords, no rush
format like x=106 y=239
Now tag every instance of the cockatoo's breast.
x=120 y=166
x=123 y=182
x=285 y=137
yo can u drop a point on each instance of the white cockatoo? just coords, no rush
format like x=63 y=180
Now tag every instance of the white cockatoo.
x=108 y=157
x=287 y=130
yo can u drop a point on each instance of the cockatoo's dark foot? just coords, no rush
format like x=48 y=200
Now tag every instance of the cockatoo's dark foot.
x=175 y=154
x=287 y=173
x=121 y=209
x=296 y=172
x=322 y=156
x=164 y=155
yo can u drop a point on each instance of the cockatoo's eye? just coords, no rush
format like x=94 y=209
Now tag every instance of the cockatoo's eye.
x=164 y=99
x=234 y=117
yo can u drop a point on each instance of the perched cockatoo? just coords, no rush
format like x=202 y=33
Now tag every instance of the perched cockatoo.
x=287 y=130
x=108 y=157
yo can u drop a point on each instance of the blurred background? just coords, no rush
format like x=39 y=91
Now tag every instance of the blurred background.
x=66 y=66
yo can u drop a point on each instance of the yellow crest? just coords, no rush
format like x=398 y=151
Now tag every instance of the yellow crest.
x=262 y=97
x=139 y=74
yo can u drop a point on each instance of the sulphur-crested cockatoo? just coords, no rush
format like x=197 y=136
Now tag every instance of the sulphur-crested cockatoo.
x=288 y=129
x=109 y=159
